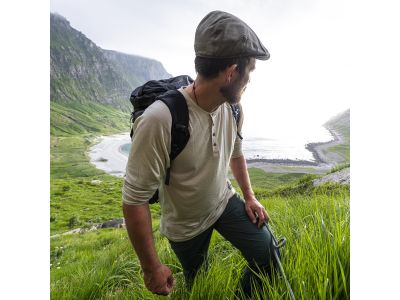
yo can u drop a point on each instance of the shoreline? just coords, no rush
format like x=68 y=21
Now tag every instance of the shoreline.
x=320 y=165
x=314 y=148
x=107 y=155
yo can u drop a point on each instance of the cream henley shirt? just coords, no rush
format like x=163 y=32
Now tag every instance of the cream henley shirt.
x=199 y=187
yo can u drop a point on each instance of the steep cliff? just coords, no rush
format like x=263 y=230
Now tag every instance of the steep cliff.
x=81 y=71
x=90 y=86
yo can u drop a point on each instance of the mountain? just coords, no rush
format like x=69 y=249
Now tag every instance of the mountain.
x=135 y=69
x=87 y=81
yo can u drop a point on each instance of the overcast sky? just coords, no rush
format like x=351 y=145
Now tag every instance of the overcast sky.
x=301 y=86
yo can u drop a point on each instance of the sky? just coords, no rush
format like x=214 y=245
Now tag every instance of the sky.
x=299 y=88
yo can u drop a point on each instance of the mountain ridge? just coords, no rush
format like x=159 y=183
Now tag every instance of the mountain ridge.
x=91 y=83
x=82 y=71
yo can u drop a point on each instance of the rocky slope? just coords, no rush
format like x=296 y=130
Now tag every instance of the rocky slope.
x=342 y=177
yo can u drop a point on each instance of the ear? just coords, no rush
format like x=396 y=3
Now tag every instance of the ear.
x=229 y=72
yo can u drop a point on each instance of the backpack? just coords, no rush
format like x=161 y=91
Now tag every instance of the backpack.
x=166 y=90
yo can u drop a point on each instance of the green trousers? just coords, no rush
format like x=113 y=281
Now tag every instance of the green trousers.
x=235 y=226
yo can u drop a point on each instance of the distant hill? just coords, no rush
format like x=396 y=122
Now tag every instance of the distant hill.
x=340 y=124
x=86 y=80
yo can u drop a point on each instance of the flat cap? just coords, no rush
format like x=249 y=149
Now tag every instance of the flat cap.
x=223 y=35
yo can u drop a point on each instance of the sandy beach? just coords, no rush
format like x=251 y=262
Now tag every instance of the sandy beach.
x=106 y=155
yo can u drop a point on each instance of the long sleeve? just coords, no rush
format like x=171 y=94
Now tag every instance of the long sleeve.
x=149 y=155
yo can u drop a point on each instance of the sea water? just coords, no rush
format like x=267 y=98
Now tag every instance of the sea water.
x=289 y=145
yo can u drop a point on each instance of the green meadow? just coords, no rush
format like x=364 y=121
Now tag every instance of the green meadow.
x=102 y=264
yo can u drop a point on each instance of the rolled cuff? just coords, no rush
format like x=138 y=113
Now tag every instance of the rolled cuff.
x=237 y=150
x=135 y=195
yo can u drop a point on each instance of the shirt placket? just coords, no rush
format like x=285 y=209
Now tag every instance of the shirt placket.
x=214 y=143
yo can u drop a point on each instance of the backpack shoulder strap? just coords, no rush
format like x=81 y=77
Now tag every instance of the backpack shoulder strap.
x=180 y=135
x=236 y=114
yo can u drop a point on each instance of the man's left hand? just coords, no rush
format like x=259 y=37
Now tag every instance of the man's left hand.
x=254 y=209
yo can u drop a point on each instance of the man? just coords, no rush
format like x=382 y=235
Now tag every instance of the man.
x=199 y=197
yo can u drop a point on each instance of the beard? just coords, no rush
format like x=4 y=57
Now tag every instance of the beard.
x=233 y=91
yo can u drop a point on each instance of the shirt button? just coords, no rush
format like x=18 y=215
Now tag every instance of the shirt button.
x=215 y=144
x=213 y=133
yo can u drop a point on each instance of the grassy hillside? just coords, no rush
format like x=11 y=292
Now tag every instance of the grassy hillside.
x=73 y=196
x=76 y=118
x=102 y=264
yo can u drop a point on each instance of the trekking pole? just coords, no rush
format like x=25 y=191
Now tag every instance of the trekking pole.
x=276 y=245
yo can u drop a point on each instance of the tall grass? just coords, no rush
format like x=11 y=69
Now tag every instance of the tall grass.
x=102 y=264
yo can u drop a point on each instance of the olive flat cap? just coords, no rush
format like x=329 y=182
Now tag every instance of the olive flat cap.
x=222 y=35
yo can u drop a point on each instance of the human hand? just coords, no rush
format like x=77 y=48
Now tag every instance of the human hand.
x=159 y=281
x=256 y=211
